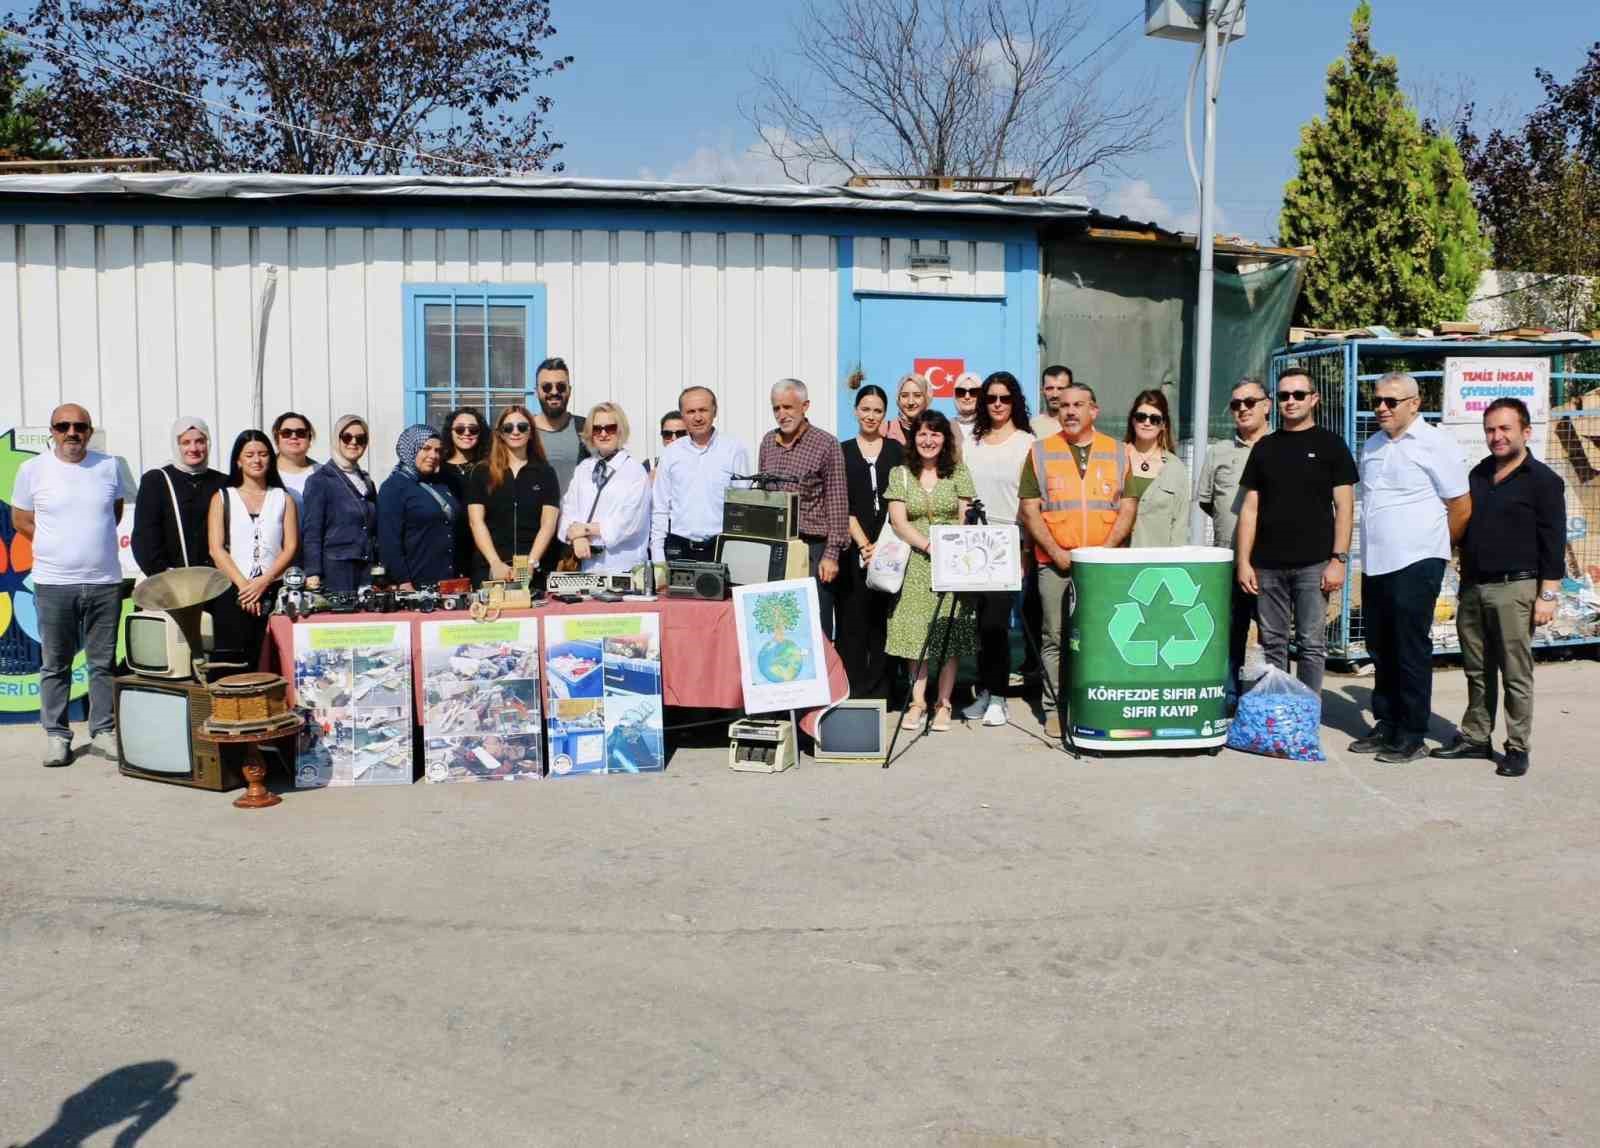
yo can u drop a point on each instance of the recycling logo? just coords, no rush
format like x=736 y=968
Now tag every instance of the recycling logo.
x=1176 y=650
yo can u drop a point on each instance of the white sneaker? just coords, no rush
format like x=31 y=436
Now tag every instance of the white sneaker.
x=58 y=751
x=979 y=706
x=996 y=713
x=105 y=744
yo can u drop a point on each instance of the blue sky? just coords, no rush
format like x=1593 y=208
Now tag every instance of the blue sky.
x=655 y=89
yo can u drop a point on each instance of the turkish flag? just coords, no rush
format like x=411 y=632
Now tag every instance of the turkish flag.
x=940 y=373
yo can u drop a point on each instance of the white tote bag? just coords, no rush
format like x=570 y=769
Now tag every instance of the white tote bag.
x=890 y=557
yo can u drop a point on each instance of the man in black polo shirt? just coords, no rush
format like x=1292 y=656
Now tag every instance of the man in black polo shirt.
x=1293 y=538
x=1511 y=566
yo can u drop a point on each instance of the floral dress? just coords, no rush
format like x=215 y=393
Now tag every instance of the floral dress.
x=913 y=611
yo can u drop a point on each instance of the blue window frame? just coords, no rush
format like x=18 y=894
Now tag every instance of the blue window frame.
x=471 y=344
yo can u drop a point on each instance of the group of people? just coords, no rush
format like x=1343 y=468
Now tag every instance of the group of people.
x=1285 y=502
x=470 y=498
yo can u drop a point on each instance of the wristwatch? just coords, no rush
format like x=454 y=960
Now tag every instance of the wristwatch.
x=1548 y=596
x=1341 y=557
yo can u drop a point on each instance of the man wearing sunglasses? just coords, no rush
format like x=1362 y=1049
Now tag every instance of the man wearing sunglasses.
x=67 y=503
x=1415 y=503
x=1292 y=548
x=560 y=431
x=692 y=477
x=1220 y=497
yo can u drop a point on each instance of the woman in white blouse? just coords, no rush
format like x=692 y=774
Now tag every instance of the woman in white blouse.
x=605 y=510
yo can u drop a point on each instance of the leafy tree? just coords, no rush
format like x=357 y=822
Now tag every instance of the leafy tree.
x=776 y=614
x=449 y=78
x=22 y=135
x=1538 y=191
x=1385 y=203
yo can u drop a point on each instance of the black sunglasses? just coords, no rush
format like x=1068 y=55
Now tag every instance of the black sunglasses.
x=64 y=426
x=1244 y=404
x=1147 y=417
x=1293 y=396
x=469 y=430
x=604 y=428
x=966 y=392
x=1389 y=402
x=553 y=388
x=294 y=432
x=1000 y=398
x=669 y=435
x=353 y=439
x=518 y=427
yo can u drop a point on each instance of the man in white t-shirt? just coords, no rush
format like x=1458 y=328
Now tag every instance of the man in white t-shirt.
x=67 y=502
x=1415 y=503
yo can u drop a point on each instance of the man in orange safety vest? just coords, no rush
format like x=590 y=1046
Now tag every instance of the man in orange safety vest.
x=1072 y=495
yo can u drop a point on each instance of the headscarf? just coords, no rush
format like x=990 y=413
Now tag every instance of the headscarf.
x=338 y=429
x=183 y=425
x=406 y=447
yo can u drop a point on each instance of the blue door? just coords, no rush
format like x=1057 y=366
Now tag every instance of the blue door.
x=938 y=338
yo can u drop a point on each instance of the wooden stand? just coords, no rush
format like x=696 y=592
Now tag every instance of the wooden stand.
x=255 y=766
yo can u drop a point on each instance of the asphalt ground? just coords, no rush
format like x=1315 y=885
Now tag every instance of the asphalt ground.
x=988 y=944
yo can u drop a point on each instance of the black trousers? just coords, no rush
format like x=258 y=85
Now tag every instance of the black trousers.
x=1397 y=614
x=824 y=589
x=236 y=634
x=1243 y=612
x=861 y=615
x=994 y=640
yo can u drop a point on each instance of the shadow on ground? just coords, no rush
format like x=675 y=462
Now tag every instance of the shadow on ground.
x=142 y=1093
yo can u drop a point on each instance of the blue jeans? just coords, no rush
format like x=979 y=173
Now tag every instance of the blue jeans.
x=82 y=616
x=1289 y=596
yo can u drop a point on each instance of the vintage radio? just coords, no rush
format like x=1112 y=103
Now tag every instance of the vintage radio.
x=761 y=513
x=708 y=580
x=754 y=560
x=757 y=745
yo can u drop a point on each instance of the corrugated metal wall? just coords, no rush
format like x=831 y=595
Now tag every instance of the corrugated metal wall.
x=142 y=323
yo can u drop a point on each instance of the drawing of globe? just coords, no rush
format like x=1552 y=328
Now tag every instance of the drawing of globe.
x=781 y=661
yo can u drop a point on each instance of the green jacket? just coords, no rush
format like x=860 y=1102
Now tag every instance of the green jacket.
x=1163 y=518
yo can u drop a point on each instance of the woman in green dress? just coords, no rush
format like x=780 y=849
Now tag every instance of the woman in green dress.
x=1156 y=475
x=931 y=488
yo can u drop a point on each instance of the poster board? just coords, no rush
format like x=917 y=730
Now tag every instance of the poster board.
x=352 y=682
x=482 y=716
x=603 y=675
x=1472 y=383
x=976 y=558
x=782 y=663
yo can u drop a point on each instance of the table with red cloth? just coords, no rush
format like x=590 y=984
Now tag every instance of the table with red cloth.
x=699 y=648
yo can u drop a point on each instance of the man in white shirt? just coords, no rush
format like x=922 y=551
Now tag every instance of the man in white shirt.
x=1414 y=505
x=67 y=502
x=693 y=475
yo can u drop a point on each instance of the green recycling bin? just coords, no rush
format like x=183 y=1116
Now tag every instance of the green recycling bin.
x=1148 y=647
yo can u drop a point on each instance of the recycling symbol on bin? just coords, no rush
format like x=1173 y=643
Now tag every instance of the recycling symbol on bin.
x=1128 y=618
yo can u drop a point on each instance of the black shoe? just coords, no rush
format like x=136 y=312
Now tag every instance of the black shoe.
x=1515 y=763
x=1382 y=737
x=1462 y=747
x=1403 y=750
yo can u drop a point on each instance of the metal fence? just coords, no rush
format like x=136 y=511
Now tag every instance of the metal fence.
x=1345 y=374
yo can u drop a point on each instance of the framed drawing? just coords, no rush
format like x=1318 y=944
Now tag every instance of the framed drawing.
x=968 y=558
x=782 y=664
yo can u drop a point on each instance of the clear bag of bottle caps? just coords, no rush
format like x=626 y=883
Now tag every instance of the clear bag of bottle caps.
x=1279 y=717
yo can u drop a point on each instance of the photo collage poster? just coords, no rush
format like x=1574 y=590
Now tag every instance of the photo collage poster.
x=603 y=672
x=782 y=658
x=482 y=715
x=352 y=683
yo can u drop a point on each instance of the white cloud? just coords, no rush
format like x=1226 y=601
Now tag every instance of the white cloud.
x=1139 y=202
x=729 y=161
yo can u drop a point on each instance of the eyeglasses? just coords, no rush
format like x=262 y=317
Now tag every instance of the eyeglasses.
x=1148 y=417
x=1003 y=399
x=966 y=392
x=353 y=439
x=1244 y=404
x=669 y=435
x=553 y=388
x=1293 y=396
x=63 y=427
x=466 y=431
x=518 y=427
x=1389 y=402
x=604 y=428
x=294 y=432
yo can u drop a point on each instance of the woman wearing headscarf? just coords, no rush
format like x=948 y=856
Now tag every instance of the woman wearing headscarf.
x=337 y=539
x=419 y=518
x=169 y=516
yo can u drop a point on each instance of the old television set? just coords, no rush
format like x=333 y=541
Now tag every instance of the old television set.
x=158 y=735
x=751 y=561
x=854 y=731
x=155 y=647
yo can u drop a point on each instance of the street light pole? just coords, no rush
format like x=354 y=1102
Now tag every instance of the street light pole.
x=1203 y=310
